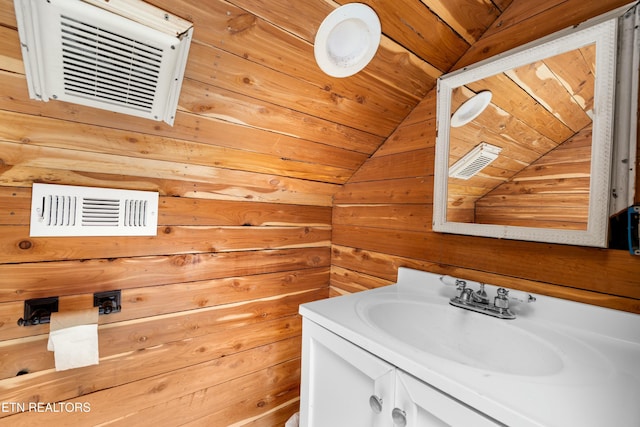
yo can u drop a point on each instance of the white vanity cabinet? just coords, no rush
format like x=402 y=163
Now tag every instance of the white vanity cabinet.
x=346 y=386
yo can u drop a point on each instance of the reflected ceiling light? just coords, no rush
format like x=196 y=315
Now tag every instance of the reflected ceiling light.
x=347 y=40
x=471 y=108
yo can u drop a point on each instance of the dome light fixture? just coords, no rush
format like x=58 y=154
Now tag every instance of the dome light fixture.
x=471 y=108
x=347 y=40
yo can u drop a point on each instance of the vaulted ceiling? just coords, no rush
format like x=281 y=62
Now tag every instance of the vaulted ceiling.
x=254 y=101
x=252 y=64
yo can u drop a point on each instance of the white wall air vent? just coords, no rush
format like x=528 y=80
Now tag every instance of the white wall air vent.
x=66 y=210
x=85 y=54
x=474 y=161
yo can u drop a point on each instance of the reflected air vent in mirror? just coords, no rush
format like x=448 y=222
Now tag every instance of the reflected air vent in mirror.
x=64 y=210
x=474 y=161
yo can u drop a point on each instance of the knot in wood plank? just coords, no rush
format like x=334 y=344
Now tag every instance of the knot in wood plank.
x=241 y=23
x=25 y=244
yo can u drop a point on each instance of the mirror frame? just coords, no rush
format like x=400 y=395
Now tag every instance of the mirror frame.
x=604 y=35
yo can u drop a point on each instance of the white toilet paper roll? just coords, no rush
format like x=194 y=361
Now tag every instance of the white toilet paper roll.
x=73 y=338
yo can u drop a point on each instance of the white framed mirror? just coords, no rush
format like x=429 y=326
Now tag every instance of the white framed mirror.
x=529 y=157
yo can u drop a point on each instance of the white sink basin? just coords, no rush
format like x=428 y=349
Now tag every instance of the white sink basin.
x=464 y=337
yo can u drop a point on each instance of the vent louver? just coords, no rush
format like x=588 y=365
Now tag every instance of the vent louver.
x=64 y=210
x=474 y=161
x=83 y=54
x=100 y=212
x=102 y=65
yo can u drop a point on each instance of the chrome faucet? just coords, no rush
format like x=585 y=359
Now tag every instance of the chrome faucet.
x=479 y=302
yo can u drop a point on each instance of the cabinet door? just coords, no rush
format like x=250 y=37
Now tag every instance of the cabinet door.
x=342 y=384
x=424 y=406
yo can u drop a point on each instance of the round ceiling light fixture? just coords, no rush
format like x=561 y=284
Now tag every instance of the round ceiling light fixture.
x=471 y=108
x=347 y=40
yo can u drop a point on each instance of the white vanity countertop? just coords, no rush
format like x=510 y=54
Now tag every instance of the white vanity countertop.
x=598 y=384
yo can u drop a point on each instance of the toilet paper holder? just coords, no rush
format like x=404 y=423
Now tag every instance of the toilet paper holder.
x=107 y=302
x=38 y=311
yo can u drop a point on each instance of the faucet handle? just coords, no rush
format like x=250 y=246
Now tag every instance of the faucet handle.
x=450 y=280
x=454 y=281
x=521 y=296
x=504 y=295
x=460 y=284
x=501 y=299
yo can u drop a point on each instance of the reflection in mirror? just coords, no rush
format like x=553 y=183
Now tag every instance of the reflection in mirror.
x=540 y=120
x=542 y=143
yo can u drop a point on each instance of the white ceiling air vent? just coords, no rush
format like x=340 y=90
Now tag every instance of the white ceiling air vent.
x=85 y=54
x=474 y=161
x=66 y=210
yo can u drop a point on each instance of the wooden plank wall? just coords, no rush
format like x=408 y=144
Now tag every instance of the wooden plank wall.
x=209 y=333
x=382 y=216
x=553 y=192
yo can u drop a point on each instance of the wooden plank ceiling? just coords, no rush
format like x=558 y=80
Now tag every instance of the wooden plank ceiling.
x=252 y=64
x=255 y=99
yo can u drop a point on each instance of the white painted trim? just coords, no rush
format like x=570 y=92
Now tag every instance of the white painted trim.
x=626 y=118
